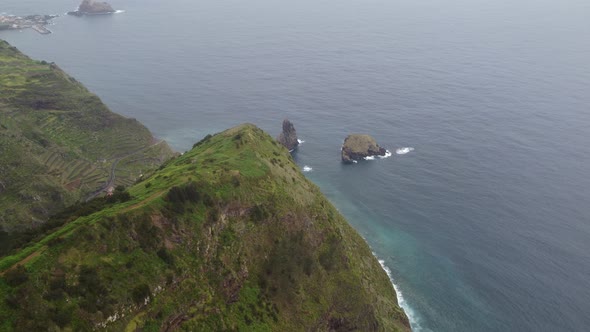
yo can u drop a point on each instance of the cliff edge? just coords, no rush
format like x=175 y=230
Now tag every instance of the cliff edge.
x=228 y=236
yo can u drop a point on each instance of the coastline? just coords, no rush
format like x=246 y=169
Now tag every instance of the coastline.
x=35 y=22
x=401 y=301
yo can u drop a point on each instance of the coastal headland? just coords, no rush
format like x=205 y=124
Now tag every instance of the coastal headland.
x=35 y=22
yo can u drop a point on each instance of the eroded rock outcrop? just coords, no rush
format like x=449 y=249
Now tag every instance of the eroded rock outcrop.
x=91 y=7
x=357 y=147
x=289 y=136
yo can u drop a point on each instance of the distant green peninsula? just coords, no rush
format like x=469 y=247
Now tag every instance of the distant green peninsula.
x=60 y=143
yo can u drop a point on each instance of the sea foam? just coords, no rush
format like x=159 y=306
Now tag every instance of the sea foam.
x=400 y=298
x=386 y=155
x=404 y=150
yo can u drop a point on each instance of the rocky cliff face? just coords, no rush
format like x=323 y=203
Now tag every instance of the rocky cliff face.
x=289 y=136
x=357 y=147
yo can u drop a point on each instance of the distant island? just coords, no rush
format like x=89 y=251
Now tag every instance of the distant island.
x=91 y=7
x=35 y=22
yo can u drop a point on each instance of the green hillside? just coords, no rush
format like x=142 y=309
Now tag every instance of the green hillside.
x=228 y=236
x=59 y=142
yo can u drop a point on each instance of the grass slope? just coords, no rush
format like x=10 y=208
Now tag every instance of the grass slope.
x=58 y=141
x=229 y=236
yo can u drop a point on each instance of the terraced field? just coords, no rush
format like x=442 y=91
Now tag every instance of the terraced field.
x=59 y=142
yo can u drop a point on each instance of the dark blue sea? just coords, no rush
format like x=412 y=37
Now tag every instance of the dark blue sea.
x=484 y=225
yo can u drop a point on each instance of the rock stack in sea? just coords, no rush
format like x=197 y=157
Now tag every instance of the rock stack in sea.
x=357 y=147
x=289 y=136
x=91 y=7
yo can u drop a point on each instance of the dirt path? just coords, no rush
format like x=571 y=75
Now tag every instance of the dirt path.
x=143 y=202
x=25 y=260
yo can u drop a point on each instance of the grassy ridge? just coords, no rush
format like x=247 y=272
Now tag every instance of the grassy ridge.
x=58 y=141
x=229 y=236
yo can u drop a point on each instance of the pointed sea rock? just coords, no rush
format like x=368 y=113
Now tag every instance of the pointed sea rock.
x=289 y=136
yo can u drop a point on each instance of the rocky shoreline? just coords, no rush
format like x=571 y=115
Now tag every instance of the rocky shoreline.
x=35 y=22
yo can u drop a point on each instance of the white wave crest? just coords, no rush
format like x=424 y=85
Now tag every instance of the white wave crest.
x=307 y=168
x=400 y=298
x=404 y=150
x=119 y=11
x=386 y=155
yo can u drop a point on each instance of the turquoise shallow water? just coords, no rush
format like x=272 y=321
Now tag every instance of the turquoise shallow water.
x=485 y=226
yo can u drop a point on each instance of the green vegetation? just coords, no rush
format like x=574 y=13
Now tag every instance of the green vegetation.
x=228 y=236
x=358 y=143
x=59 y=143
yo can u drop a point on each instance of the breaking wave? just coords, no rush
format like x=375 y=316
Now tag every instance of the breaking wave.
x=400 y=298
x=404 y=150
x=387 y=154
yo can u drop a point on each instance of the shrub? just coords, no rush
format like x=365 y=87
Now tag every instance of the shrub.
x=16 y=276
x=89 y=281
x=165 y=255
x=227 y=237
x=212 y=215
x=140 y=293
x=259 y=213
x=119 y=195
x=11 y=301
x=61 y=316
x=182 y=194
x=204 y=140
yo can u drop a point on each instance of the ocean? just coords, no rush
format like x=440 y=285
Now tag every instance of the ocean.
x=483 y=222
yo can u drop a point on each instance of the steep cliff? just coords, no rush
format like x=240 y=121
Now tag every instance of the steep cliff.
x=228 y=236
